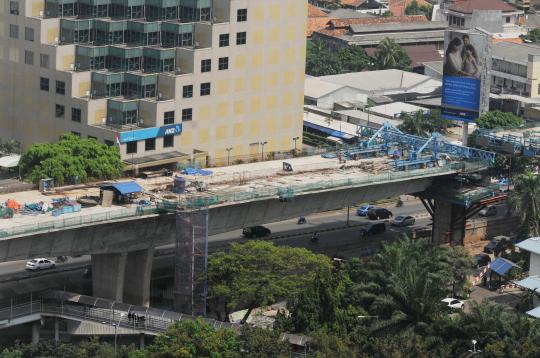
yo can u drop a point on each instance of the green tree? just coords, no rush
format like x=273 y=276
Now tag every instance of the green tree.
x=534 y=35
x=262 y=343
x=421 y=125
x=10 y=146
x=323 y=61
x=353 y=59
x=498 y=119
x=414 y=9
x=71 y=159
x=390 y=55
x=328 y=345
x=259 y=273
x=194 y=339
x=525 y=200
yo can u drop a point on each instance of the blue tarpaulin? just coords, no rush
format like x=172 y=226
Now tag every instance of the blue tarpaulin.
x=195 y=171
x=501 y=266
x=124 y=188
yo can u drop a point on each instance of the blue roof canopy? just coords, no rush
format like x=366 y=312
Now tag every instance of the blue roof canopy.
x=329 y=131
x=501 y=266
x=124 y=188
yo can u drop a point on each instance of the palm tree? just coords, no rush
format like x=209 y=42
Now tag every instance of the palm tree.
x=390 y=55
x=526 y=201
x=414 y=124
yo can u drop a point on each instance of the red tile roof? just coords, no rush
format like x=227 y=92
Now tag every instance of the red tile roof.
x=316 y=24
x=467 y=6
x=345 y=23
x=352 y=3
x=314 y=11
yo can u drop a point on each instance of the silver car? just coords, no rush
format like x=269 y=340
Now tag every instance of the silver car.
x=39 y=264
x=403 y=220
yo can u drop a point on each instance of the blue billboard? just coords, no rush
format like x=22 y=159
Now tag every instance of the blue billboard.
x=148 y=133
x=465 y=61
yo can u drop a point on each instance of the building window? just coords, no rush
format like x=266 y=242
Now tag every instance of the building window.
x=44 y=60
x=44 y=84
x=187 y=114
x=168 y=141
x=76 y=115
x=507 y=18
x=205 y=89
x=28 y=57
x=92 y=137
x=241 y=38
x=223 y=63
x=78 y=134
x=60 y=111
x=29 y=34
x=150 y=144
x=241 y=15
x=131 y=147
x=168 y=117
x=108 y=143
x=60 y=87
x=187 y=91
x=223 y=40
x=14 y=31
x=206 y=65
x=14 y=7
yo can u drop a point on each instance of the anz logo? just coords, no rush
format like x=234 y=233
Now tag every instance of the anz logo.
x=173 y=130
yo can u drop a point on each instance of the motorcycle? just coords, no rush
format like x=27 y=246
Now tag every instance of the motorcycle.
x=315 y=238
x=61 y=258
x=399 y=203
x=301 y=220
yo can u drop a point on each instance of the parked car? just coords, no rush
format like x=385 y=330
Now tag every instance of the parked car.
x=488 y=211
x=379 y=213
x=363 y=210
x=402 y=220
x=373 y=229
x=453 y=303
x=481 y=260
x=256 y=231
x=39 y=264
x=492 y=244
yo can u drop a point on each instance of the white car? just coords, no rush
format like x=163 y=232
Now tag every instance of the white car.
x=39 y=264
x=402 y=220
x=453 y=303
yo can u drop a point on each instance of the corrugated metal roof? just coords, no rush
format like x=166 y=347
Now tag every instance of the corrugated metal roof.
x=397 y=26
x=530 y=283
x=124 y=188
x=531 y=245
x=534 y=312
x=501 y=266
x=10 y=161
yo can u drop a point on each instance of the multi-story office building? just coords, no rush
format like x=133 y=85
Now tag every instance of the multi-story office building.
x=166 y=79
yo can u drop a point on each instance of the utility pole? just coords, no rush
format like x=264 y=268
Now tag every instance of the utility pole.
x=228 y=155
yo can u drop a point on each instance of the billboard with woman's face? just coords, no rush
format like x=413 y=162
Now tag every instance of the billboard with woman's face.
x=465 y=88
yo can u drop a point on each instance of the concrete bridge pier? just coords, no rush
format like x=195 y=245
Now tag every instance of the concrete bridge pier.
x=448 y=222
x=35 y=332
x=123 y=277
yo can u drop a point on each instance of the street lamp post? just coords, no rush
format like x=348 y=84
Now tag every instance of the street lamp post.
x=115 y=325
x=474 y=350
x=228 y=155
x=262 y=149
x=295 y=139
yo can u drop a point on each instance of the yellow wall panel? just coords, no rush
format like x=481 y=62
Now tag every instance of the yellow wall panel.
x=292 y=9
x=240 y=84
x=274 y=12
x=256 y=83
x=289 y=54
x=271 y=102
x=240 y=61
x=204 y=113
x=67 y=61
x=221 y=132
x=222 y=110
x=257 y=59
x=254 y=128
x=288 y=77
x=186 y=138
x=273 y=57
x=98 y=115
x=288 y=99
x=239 y=107
x=287 y=122
x=258 y=13
x=83 y=87
x=222 y=86
x=255 y=105
x=238 y=130
x=270 y=124
x=52 y=34
x=272 y=79
x=258 y=37
x=204 y=135
x=37 y=7
x=290 y=33
x=274 y=34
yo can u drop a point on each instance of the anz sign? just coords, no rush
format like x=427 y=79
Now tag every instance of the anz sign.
x=148 y=133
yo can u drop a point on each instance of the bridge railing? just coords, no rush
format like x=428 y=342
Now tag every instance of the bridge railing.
x=205 y=199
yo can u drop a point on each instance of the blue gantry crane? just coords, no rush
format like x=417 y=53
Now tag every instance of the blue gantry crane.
x=507 y=143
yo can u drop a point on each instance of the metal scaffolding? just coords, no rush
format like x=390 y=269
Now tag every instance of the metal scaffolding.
x=191 y=261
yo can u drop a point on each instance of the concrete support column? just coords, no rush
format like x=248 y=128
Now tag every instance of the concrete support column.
x=137 y=277
x=448 y=223
x=141 y=341
x=108 y=271
x=35 y=332
x=56 y=330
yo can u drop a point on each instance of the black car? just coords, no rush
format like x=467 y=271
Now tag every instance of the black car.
x=379 y=213
x=373 y=229
x=490 y=247
x=256 y=231
x=481 y=260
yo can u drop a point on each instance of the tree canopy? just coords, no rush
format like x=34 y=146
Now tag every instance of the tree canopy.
x=498 y=119
x=259 y=273
x=423 y=125
x=414 y=9
x=390 y=55
x=71 y=160
x=525 y=199
x=323 y=61
x=534 y=35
